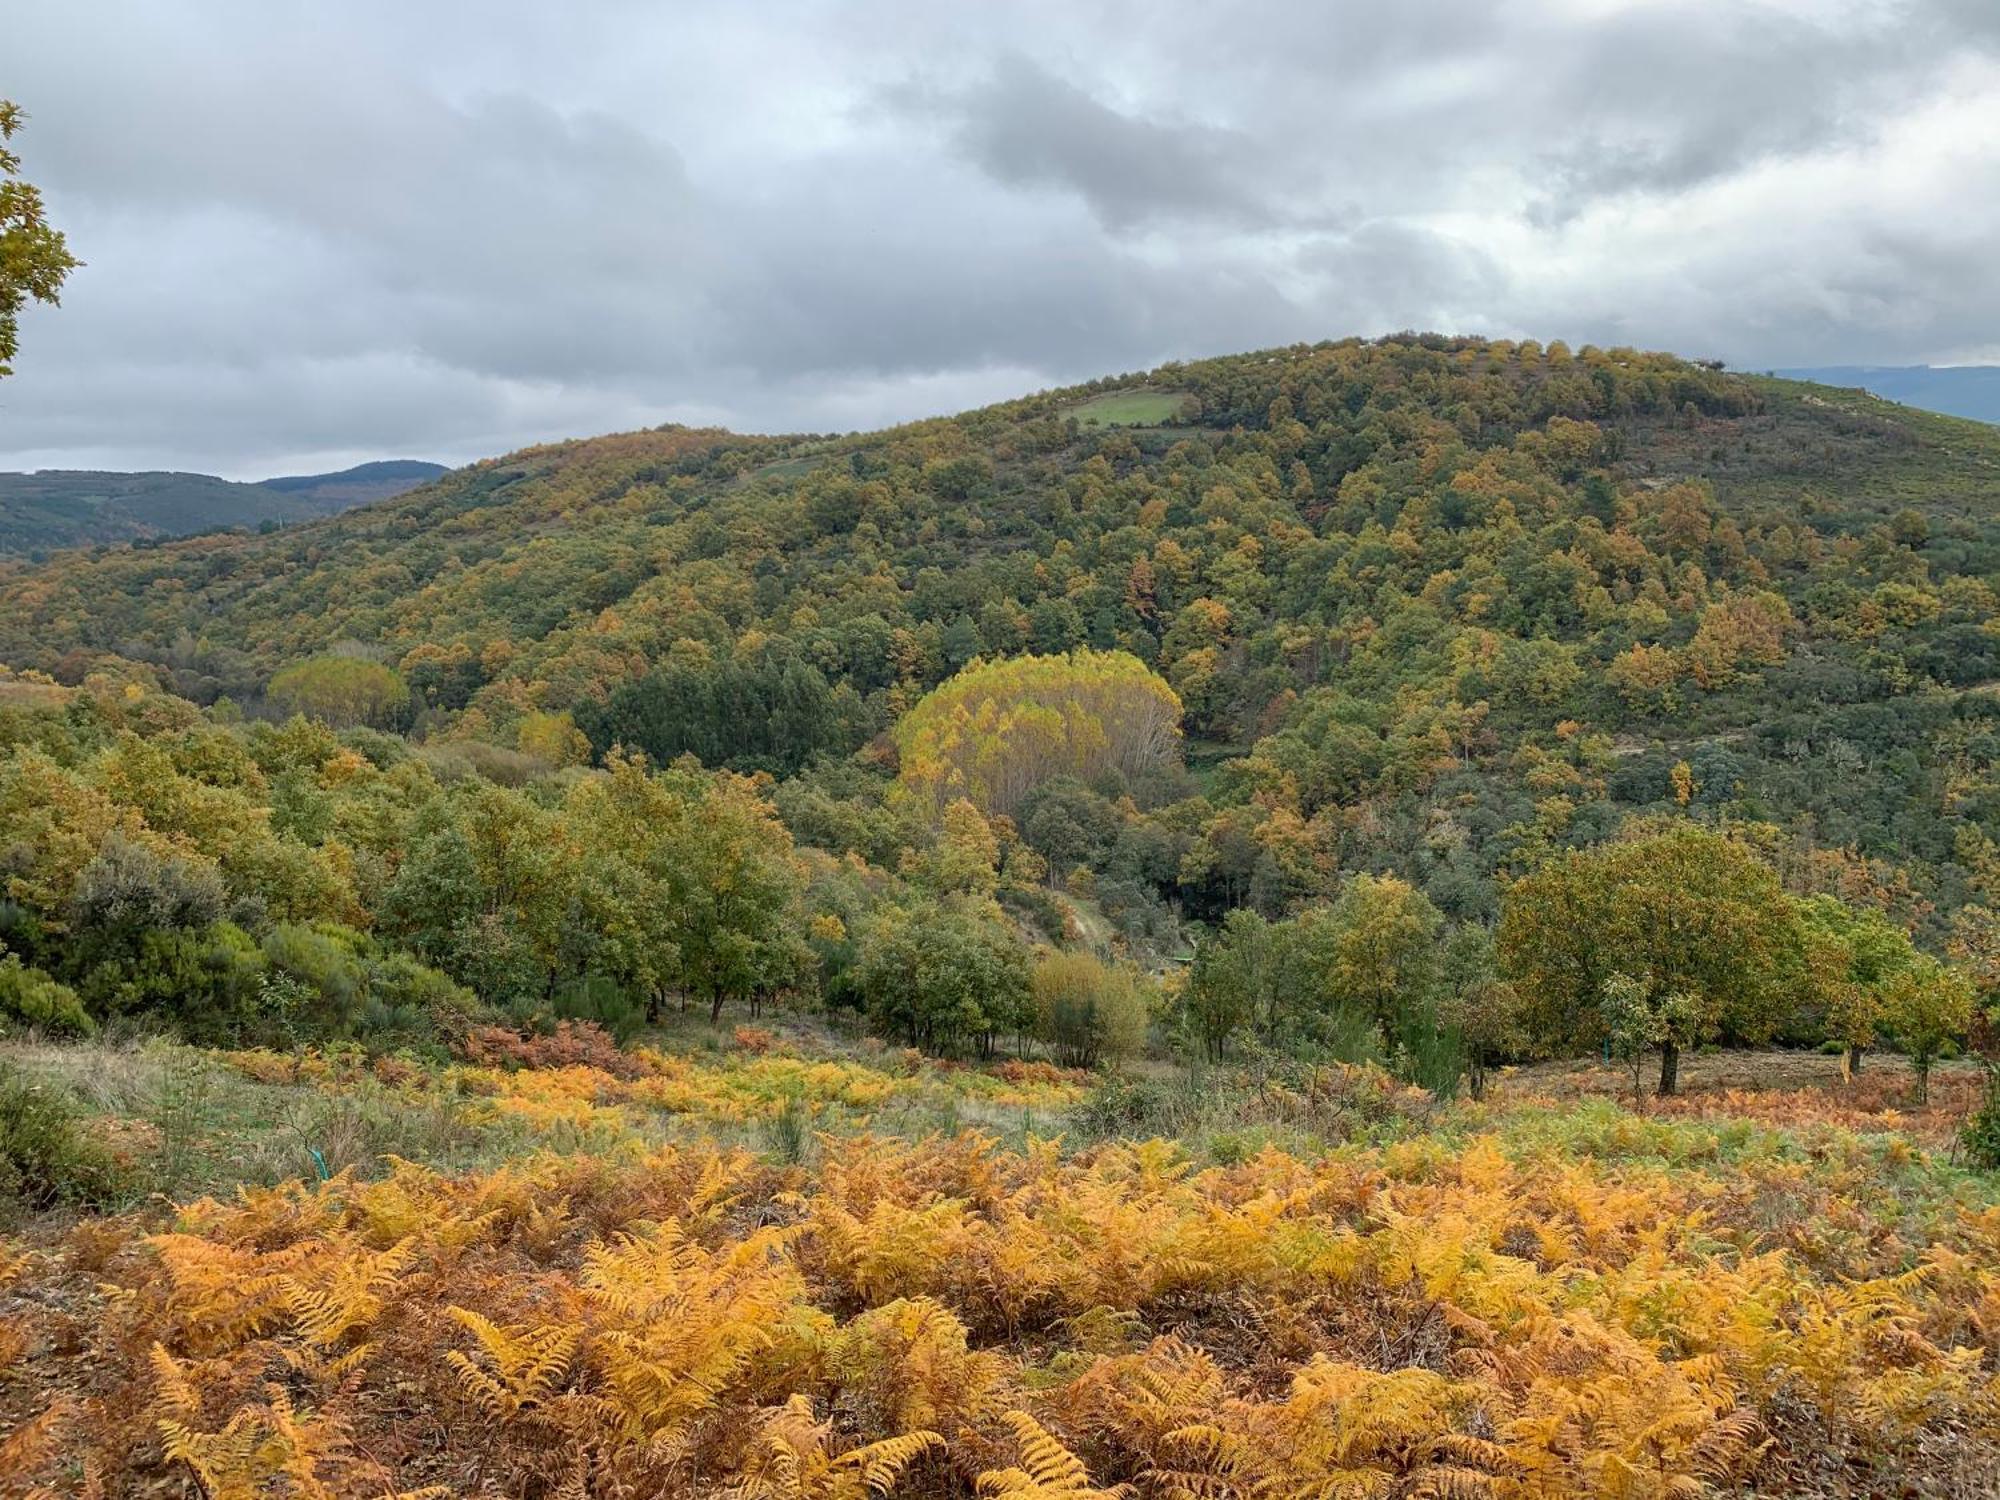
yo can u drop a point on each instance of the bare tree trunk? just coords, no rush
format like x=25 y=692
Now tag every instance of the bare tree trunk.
x=1670 y=1068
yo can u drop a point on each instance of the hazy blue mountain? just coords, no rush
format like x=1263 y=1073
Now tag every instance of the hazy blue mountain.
x=55 y=508
x=1956 y=390
x=362 y=483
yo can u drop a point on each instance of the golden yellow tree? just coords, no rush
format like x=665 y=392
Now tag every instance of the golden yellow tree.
x=1000 y=728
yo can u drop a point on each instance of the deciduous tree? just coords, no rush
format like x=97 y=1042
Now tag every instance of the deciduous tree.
x=1682 y=911
x=341 y=691
x=1087 y=1009
x=940 y=974
x=34 y=256
x=1000 y=728
x=1925 y=1005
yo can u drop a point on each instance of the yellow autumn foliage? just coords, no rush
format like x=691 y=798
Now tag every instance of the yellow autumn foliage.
x=1505 y=1315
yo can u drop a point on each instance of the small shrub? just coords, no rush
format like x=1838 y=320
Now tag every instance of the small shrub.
x=282 y=1002
x=788 y=1133
x=1431 y=1057
x=1039 y=909
x=1981 y=1136
x=411 y=1000
x=570 y=1044
x=598 y=1001
x=181 y=1108
x=46 y=1157
x=1120 y=1106
x=30 y=997
x=398 y=1070
x=1020 y=1070
x=261 y=1065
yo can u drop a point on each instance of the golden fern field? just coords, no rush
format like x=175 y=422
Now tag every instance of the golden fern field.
x=758 y=1273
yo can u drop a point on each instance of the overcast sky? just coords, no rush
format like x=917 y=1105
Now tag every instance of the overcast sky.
x=325 y=230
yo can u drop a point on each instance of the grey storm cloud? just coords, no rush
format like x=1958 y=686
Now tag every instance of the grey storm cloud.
x=319 y=234
x=1675 y=106
x=1027 y=127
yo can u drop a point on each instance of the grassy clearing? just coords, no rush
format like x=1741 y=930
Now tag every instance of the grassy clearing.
x=1851 y=453
x=16 y=692
x=182 y=1122
x=1141 y=408
x=785 y=469
x=179 y=1122
x=1785 y=1088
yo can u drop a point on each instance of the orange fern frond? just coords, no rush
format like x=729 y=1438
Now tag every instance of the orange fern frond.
x=29 y=1448
x=794 y=1457
x=344 y=1288
x=1049 y=1471
x=523 y=1366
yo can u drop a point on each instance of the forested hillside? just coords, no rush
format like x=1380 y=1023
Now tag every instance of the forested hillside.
x=52 y=509
x=1085 y=948
x=1431 y=606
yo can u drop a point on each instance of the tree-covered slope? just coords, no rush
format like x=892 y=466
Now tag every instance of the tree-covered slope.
x=1429 y=603
x=53 y=509
x=376 y=480
x=56 y=508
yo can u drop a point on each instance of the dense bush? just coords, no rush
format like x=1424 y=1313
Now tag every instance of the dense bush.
x=30 y=998
x=1345 y=981
x=1980 y=1137
x=1088 y=1010
x=596 y=1001
x=943 y=975
x=46 y=1158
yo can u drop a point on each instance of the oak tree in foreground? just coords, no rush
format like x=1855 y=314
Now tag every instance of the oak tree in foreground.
x=1688 y=915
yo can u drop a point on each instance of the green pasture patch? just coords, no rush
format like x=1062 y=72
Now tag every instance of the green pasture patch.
x=1143 y=408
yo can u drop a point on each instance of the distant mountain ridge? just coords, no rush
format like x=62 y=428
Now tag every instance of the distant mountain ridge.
x=391 y=475
x=1955 y=390
x=52 y=509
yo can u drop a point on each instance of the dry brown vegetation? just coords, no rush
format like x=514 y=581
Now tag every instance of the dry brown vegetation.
x=1528 y=1297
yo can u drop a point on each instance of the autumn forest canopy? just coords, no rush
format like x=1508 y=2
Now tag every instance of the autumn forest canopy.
x=1431 y=616
x=1166 y=820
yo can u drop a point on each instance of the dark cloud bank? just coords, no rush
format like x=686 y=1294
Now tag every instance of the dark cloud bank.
x=320 y=233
